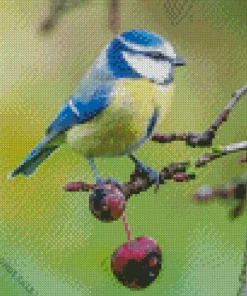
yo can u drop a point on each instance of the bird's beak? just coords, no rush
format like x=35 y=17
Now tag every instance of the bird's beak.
x=179 y=61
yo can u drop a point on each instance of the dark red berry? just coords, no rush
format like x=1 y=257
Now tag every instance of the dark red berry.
x=107 y=202
x=137 y=263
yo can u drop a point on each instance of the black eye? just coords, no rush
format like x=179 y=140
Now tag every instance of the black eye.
x=157 y=56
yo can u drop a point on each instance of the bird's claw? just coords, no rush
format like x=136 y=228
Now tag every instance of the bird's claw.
x=115 y=182
x=154 y=177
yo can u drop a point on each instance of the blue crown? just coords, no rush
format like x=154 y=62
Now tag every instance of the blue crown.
x=143 y=38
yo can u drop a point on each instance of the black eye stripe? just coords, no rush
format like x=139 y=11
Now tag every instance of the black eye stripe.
x=157 y=56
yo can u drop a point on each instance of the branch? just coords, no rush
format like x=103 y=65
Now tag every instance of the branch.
x=178 y=172
x=114 y=16
x=139 y=181
x=57 y=7
x=236 y=190
x=204 y=139
x=243 y=277
x=243 y=159
x=221 y=151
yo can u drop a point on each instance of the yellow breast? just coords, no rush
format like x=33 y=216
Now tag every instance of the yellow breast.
x=123 y=123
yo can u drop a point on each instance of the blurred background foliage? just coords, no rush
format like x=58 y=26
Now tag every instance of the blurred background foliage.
x=49 y=236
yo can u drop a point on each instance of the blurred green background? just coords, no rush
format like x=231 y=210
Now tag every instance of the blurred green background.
x=49 y=236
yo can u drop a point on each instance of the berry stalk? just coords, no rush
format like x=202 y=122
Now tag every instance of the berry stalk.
x=126 y=227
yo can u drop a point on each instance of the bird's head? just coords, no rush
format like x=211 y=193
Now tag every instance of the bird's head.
x=138 y=53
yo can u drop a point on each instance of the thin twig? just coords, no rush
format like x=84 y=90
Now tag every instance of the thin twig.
x=243 y=280
x=236 y=190
x=178 y=172
x=243 y=159
x=218 y=152
x=204 y=139
x=139 y=181
x=114 y=16
x=57 y=7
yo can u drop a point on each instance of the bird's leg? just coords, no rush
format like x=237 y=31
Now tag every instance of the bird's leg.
x=99 y=179
x=93 y=167
x=152 y=173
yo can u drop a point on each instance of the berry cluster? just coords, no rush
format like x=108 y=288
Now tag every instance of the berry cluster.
x=137 y=263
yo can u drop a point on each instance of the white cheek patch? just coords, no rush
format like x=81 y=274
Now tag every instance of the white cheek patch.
x=169 y=50
x=146 y=67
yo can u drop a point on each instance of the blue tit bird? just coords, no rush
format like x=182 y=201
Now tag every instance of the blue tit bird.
x=117 y=105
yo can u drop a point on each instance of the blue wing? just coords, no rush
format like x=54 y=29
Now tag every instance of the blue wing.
x=81 y=107
x=84 y=105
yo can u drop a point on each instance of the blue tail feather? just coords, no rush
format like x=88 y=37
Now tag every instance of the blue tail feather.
x=34 y=158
